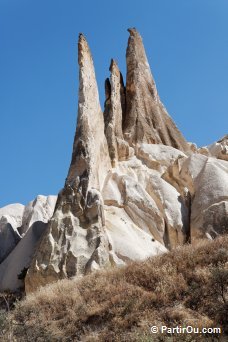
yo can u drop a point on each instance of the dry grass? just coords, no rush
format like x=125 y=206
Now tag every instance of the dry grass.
x=187 y=286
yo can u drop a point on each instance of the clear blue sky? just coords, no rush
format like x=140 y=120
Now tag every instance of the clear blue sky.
x=187 y=47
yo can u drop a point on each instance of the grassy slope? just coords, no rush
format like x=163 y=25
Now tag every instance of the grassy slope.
x=187 y=286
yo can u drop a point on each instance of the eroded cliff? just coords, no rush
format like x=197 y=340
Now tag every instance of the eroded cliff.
x=135 y=187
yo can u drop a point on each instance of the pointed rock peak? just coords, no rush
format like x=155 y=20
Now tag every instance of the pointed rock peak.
x=134 y=33
x=134 y=38
x=137 y=62
x=114 y=88
x=83 y=49
x=114 y=69
x=81 y=37
x=146 y=120
x=90 y=150
x=113 y=115
x=135 y=49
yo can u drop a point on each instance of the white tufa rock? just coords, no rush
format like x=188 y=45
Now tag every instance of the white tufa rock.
x=135 y=187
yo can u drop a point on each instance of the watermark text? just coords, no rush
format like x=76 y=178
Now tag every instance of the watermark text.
x=184 y=330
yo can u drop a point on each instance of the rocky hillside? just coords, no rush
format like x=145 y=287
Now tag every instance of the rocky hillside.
x=135 y=187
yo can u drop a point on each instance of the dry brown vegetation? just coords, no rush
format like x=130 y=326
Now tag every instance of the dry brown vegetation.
x=187 y=286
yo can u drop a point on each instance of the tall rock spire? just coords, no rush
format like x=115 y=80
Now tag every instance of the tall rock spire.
x=75 y=241
x=90 y=145
x=146 y=119
x=115 y=100
x=113 y=115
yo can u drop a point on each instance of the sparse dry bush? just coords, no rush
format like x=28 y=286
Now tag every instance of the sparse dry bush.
x=186 y=286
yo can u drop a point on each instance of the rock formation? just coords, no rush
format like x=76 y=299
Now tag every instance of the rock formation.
x=218 y=150
x=10 y=220
x=75 y=241
x=20 y=230
x=135 y=187
x=115 y=109
x=209 y=208
x=146 y=119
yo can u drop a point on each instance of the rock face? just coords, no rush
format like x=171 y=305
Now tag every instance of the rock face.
x=75 y=241
x=10 y=220
x=135 y=188
x=90 y=160
x=146 y=120
x=206 y=181
x=209 y=215
x=219 y=149
x=20 y=233
x=115 y=109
